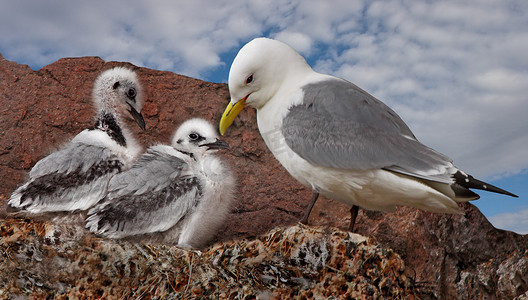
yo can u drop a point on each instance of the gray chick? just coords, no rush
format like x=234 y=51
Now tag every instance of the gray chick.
x=76 y=176
x=183 y=191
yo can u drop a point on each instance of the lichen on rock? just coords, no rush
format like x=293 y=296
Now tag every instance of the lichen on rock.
x=296 y=261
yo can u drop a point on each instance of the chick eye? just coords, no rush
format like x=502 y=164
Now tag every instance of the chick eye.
x=193 y=136
x=249 y=79
x=131 y=93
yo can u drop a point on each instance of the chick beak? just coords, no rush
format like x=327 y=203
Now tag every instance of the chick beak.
x=138 y=117
x=216 y=145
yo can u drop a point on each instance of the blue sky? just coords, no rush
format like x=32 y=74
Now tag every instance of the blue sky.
x=455 y=71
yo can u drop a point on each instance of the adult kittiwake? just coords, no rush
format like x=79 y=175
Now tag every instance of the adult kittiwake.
x=339 y=140
x=76 y=176
x=183 y=191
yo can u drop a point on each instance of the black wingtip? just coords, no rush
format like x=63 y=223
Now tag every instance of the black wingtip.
x=470 y=182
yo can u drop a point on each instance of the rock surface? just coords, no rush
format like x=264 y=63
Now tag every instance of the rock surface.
x=445 y=256
x=297 y=261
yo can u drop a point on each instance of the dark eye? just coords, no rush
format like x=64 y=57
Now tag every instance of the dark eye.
x=193 y=136
x=131 y=93
x=249 y=79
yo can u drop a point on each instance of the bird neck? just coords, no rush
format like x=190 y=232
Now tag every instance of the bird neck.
x=186 y=152
x=212 y=168
x=190 y=154
x=109 y=123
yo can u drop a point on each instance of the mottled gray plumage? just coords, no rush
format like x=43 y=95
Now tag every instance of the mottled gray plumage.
x=154 y=195
x=74 y=171
x=76 y=176
x=175 y=194
x=74 y=157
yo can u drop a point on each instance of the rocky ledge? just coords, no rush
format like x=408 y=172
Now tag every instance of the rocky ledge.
x=442 y=256
x=296 y=261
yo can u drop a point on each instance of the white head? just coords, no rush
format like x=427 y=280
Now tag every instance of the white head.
x=118 y=91
x=259 y=70
x=197 y=136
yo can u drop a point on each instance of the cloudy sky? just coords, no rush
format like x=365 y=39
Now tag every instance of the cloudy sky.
x=456 y=71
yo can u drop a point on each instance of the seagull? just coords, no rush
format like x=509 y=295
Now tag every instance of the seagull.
x=76 y=176
x=182 y=190
x=337 y=139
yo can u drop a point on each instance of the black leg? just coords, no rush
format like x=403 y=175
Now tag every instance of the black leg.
x=304 y=219
x=353 y=215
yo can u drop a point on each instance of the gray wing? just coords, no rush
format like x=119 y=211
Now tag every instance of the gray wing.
x=72 y=178
x=346 y=101
x=75 y=157
x=155 y=194
x=339 y=125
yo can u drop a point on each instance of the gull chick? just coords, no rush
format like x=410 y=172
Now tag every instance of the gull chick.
x=76 y=176
x=183 y=191
x=339 y=140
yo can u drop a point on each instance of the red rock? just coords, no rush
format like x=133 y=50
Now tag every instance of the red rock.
x=150 y=110
x=450 y=256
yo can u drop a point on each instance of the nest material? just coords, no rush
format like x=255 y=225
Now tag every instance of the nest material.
x=39 y=261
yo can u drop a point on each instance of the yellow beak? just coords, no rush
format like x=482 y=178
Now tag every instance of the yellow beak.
x=230 y=114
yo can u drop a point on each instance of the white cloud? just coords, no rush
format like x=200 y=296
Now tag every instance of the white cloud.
x=503 y=81
x=455 y=71
x=301 y=42
x=183 y=36
x=517 y=221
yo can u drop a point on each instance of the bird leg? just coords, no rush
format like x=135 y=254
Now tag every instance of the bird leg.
x=304 y=219
x=353 y=215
